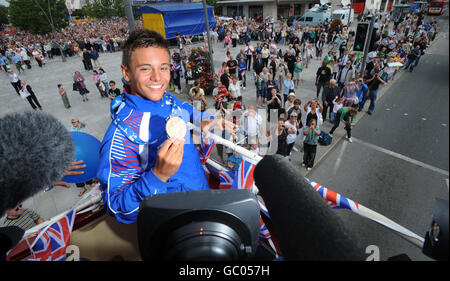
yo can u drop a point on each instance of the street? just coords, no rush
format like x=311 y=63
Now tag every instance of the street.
x=398 y=162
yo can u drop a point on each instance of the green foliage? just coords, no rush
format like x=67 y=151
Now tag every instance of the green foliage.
x=3 y=15
x=212 y=3
x=35 y=16
x=105 y=8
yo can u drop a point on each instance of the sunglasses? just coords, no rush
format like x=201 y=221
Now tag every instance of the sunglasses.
x=19 y=207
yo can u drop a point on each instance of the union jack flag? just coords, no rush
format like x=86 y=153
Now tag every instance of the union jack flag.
x=52 y=241
x=264 y=233
x=226 y=179
x=244 y=176
x=334 y=199
x=206 y=149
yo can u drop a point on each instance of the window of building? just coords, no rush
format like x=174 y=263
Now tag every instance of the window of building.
x=283 y=11
x=298 y=10
x=232 y=11
x=255 y=11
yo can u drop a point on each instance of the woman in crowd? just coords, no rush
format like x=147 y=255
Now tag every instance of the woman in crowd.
x=31 y=97
x=312 y=134
x=100 y=85
x=288 y=86
x=291 y=125
x=78 y=79
x=297 y=72
x=281 y=133
x=281 y=74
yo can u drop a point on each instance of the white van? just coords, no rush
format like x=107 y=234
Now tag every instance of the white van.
x=344 y=16
x=314 y=16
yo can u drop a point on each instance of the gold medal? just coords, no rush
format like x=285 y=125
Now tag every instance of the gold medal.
x=176 y=128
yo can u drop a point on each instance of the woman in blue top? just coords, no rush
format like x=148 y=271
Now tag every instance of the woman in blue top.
x=242 y=67
x=288 y=85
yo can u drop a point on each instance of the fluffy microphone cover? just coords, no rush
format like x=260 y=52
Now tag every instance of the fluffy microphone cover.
x=35 y=151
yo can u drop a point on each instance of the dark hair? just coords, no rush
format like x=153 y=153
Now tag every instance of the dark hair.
x=112 y=81
x=59 y=85
x=142 y=38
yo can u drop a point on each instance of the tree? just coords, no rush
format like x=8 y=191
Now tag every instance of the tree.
x=3 y=15
x=105 y=8
x=212 y=3
x=35 y=16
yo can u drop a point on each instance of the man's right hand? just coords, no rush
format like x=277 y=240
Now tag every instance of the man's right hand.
x=169 y=158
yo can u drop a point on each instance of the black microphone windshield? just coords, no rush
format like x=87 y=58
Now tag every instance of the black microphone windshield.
x=35 y=151
x=304 y=225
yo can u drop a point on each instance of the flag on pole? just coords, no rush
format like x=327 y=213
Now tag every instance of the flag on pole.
x=52 y=241
x=206 y=149
x=334 y=199
x=244 y=176
x=226 y=179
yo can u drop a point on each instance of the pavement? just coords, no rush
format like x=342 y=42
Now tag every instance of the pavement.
x=95 y=112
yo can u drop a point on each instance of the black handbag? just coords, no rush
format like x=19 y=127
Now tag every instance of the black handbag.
x=76 y=86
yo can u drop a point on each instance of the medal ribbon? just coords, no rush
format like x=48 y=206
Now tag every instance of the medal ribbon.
x=124 y=128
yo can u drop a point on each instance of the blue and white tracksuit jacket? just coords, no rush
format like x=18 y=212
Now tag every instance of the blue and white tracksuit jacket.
x=125 y=170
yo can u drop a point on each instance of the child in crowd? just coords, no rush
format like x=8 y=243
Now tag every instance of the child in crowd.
x=337 y=103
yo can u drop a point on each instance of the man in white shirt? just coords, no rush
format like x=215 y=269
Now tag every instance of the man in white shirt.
x=252 y=125
x=248 y=51
x=235 y=89
x=25 y=57
x=15 y=80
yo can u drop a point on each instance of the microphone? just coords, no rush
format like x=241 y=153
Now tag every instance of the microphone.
x=304 y=225
x=35 y=151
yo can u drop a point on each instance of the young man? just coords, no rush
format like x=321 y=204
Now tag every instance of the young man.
x=113 y=91
x=22 y=218
x=138 y=158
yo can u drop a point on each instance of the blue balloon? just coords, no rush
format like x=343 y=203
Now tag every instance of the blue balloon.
x=87 y=148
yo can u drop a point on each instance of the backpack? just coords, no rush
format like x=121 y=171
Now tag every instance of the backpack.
x=325 y=139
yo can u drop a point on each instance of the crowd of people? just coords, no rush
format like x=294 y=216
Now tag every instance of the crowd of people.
x=273 y=55
x=87 y=41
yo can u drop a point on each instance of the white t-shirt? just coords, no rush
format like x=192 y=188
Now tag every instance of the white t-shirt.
x=253 y=123
x=235 y=89
x=291 y=137
x=24 y=55
x=248 y=50
x=13 y=77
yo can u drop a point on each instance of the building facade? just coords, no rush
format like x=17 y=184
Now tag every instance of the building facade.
x=264 y=8
x=285 y=8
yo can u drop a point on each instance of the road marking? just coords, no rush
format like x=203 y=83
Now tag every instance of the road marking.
x=446 y=180
x=403 y=157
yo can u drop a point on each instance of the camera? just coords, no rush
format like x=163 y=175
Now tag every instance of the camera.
x=200 y=225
